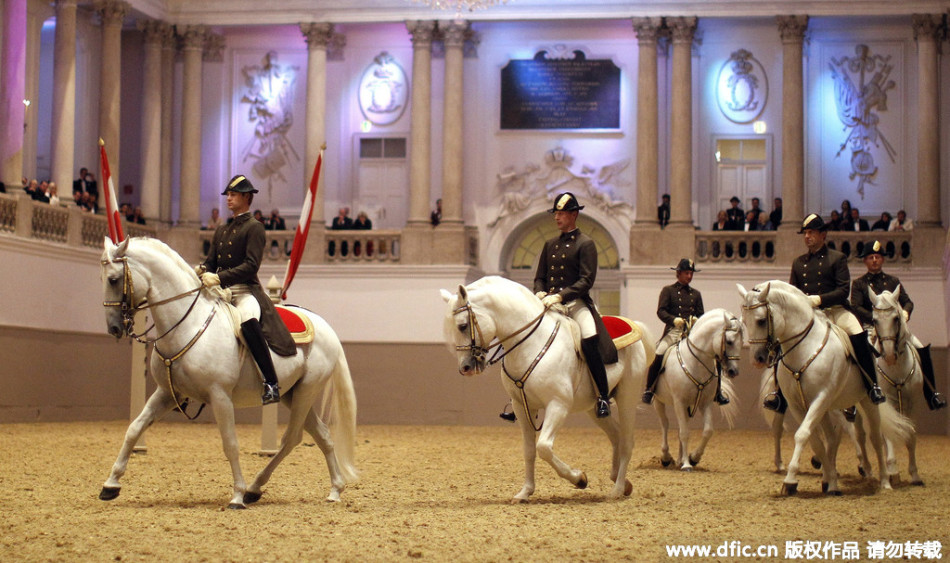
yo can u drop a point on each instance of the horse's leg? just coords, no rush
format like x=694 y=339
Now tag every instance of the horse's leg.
x=802 y=436
x=529 y=448
x=890 y=454
x=829 y=469
x=611 y=428
x=555 y=413
x=665 y=458
x=778 y=420
x=873 y=417
x=223 y=409
x=157 y=406
x=682 y=422
x=859 y=438
x=627 y=397
x=697 y=454
x=912 y=459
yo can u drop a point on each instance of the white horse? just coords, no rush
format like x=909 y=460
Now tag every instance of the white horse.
x=542 y=368
x=206 y=363
x=816 y=375
x=691 y=374
x=899 y=370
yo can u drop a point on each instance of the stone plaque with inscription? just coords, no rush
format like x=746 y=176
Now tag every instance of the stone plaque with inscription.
x=564 y=93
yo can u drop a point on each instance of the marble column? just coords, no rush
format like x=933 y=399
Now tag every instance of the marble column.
x=63 y=129
x=111 y=14
x=646 y=30
x=452 y=126
x=792 y=31
x=681 y=123
x=169 y=49
x=318 y=37
x=13 y=79
x=926 y=28
x=420 y=137
x=154 y=34
x=192 y=40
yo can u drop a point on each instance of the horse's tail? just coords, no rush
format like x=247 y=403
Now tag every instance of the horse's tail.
x=895 y=426
x=342 y=421
x=649 y=344
x=729 y=411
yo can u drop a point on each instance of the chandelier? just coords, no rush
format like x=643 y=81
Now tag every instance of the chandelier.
x=460 y=5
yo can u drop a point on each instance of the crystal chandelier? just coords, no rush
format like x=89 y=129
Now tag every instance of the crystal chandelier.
x=460 y=5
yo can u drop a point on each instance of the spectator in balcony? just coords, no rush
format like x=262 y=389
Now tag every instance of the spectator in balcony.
x=275 y=222
x=845 y=208
x=902 y=223
x=722 y=221
x=259 y=215
x=765 y=223
x=91 y=202
x=883 y=223
x=436 y=216
x=751 y=221
x=126 y=210
x=52 y=193
x=363 y=222
x=663 y=211
x=857 y=223
x=215 y=221
x=775 y=217
x=846 y=222
x=834 y=223
x=735 y=215
x=755 y=209
x=138 y=217
x=86 y=183
x=342 y=221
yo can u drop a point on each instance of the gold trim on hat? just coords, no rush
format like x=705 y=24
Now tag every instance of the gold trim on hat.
x=237 y=180
x=564 y=200
x=876 y=247
x=809 y=219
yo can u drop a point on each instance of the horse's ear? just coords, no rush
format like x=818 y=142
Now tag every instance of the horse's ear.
x=742 y=290
x=875 y=298
x=107 y=243
x=123 y=246
x=463 y=293
x=897 y=291
x=765 y=292
x=446 y=296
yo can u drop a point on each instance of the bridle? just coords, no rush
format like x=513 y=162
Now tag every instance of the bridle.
x=718 y=357
x=128 y=308
x=898 y=385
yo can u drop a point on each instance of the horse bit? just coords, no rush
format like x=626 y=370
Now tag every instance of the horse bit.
x=128 y=310
x=480 y=351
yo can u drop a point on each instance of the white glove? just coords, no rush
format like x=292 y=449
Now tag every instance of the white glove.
x=815 y=300
x=200 y=269
x=540 y=295
x=210 y=280
x=679 y=323
x=552 y=299
x=905 y=314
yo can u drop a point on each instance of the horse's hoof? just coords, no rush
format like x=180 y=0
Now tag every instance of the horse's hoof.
x=894 y=479
x=693 y=461
x=917 y=483
x=236 y=506
x=815 y=462
x=628 y=487
x=686 y=468
x=824 y=487
x=862 y=472
x=109 y=493
x=789 y=489
x=517 y=500
x=666 y=462
x=835 y=493
x=251 y=498
x=582 y=482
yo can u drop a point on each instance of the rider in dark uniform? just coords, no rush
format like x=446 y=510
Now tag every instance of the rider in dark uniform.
x=679 y=304
x=566 y=272
x=822 y=274
x=861 y=304
x=235 y=257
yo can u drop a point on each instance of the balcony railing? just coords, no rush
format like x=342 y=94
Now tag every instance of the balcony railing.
x=363 y=246
x=735 y=246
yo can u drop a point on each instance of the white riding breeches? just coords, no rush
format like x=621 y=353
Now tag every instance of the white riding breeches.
x=669 y=339
x=578 y=311
x=845 y=319
x=245 y=302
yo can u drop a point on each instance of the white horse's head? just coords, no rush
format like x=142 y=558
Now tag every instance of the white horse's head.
x=468 y=331
x=122 y=288
x=730 y=337
x=772 y=311
x=889 y=324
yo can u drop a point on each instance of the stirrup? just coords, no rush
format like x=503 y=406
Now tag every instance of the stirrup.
x=508 y=415
x=876 y=395
x=937 y=402
x=271 y=394
x=648 y=397
x=775 y=402
x=603 y=408
x=850 y=414
x=722 y=399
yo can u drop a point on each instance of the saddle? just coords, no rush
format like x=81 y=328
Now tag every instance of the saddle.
x=622 y=330
x=300 y=327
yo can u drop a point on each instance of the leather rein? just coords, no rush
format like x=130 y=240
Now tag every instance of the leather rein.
x=721 y=356
x=128 y=309
x=897 y=339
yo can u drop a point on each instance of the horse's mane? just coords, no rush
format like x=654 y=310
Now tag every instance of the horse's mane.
x=783 y=293
x=163 y=249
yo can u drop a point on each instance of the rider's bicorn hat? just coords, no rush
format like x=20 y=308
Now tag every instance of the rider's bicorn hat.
x=240 y=184
x=566 y=202
x=873 y=248
x=686 y=265
x=813 y=222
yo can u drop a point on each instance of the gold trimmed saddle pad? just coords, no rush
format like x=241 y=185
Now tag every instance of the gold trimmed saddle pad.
x=622 y=330
x=298 y=324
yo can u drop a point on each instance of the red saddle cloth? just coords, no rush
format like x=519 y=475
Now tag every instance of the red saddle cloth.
x=299 y=326
x=622 y=330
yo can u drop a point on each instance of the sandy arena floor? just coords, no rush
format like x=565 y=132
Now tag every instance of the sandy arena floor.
x=435 y=493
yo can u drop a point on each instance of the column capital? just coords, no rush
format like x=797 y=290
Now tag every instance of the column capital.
x=213 y=48
x=926 y=26
x=647 y=29
x=112 y=12
x=155 y=31
x=317 y=34
x=422 y=32
x=792 y=28
x=192 y=37
x=60 y=4
x=682 y=29
x=454 y=32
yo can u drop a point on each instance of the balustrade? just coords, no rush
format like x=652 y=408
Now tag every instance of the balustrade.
x=362 y=246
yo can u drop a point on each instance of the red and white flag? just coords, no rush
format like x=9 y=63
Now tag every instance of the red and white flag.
x=112 y=205
x=303 y=227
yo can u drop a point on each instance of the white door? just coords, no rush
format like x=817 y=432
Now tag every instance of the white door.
x=742 y=171
x=383 y=182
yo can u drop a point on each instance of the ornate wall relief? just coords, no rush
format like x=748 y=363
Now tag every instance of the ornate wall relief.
x=742 y=88
x=384 y=91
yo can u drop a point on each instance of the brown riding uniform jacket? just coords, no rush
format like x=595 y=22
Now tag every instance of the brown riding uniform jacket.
x=824 y=273
x=861 y=300
x=678 y=300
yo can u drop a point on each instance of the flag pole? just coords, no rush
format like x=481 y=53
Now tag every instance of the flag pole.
x=303 y=225
x=112 y=205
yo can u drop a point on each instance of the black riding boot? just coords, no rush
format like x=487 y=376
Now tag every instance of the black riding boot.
x=652 y=376
x=254 y=337
x=508 y=415
x=934 y=400
x=775 y=401
x=862 y=352
x=720 y=398
x=596 y=365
